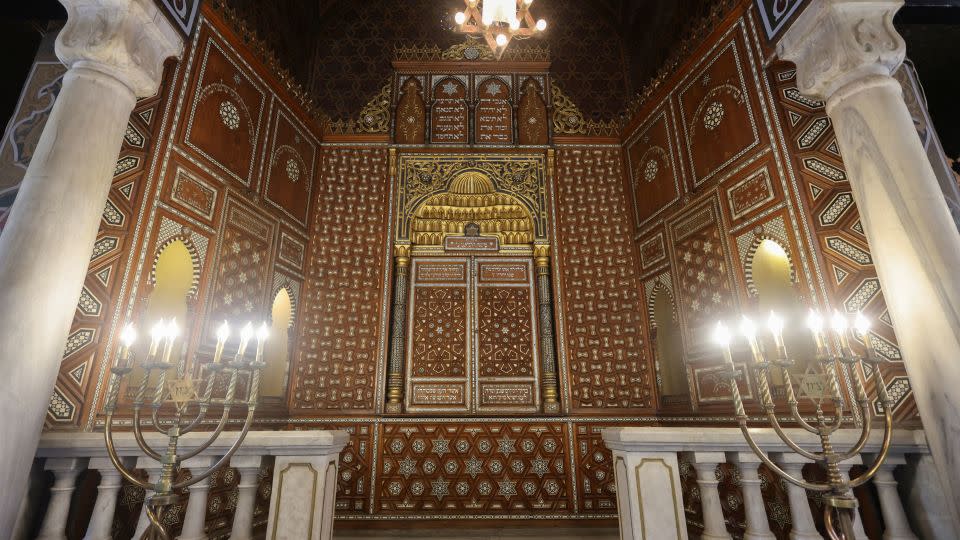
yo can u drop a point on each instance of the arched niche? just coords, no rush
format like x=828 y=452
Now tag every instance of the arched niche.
x=668 y=344
x=173 y=285
x=276 y=351
x=773 y=284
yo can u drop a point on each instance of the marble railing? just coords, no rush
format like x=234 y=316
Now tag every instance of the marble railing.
x=301 y=498
x=651 y=505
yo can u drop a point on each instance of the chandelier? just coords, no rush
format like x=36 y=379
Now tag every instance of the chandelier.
x=499 y=21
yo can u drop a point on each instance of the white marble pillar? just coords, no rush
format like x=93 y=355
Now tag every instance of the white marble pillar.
x=153 y=476
x=758 y=527
x=706 y=463
x=804 y=527
x=108 y=490
x=304 y=493
x=115 y=51
x=858 y=532
x=65 y=471
x=845 y=51
x=249 y=469
x=897 y=527
x=196 y=516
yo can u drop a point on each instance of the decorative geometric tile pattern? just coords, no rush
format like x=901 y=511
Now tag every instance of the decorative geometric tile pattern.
x=89 y=305
x=867 y=290
x=126 y=164
x=849 y=251
x=836 y=208
x=78 y=340
x=61 y=408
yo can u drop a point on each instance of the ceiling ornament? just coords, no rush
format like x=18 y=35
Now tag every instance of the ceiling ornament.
x=374 y=117
x=568 y=120
x=498 y=22
x=471 y=50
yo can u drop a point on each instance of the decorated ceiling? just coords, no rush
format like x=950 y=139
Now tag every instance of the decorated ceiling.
x=603 y=51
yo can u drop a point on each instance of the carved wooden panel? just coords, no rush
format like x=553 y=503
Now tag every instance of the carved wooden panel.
x=828 y=204
x=532 y=114
x=340 y=342
x=654 y=167
x=596 y=484
x=604 y=341
x=704 y=289
x=719 y=108
x=243 y=279
x=468 y=468
x=449 y=112
x=290 y=166
x=225 y=111
x=506 y=337
x=411 y=118
x=493 y=115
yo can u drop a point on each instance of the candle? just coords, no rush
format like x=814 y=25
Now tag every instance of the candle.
x=862 y=325
x=775 y=324
x=127 y=336
x=245 y=335
x=156 y=334
x=222 y=334
x=840 y=325
x=171 y=333
x=815 y=324
x=749 y=331
x=722 y=336
x=262 y=333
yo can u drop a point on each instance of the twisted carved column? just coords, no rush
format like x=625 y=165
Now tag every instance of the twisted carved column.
x=399 y=320
x=551 y=404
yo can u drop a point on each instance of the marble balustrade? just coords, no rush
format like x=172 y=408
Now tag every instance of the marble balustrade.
x=305 y=462
x=650 y=497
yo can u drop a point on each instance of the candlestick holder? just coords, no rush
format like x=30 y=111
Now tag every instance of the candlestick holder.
x=182 y=392
x=841 y=505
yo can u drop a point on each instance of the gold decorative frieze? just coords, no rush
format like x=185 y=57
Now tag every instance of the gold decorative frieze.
x=471 y=50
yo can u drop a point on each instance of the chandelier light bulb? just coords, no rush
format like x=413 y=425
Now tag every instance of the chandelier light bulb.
x=527 y=2
x=721 y=335
x=541 y=25
x=460 y=17
x=128 y=335
x=514 y=24
x=501 y=40
x=487 y=19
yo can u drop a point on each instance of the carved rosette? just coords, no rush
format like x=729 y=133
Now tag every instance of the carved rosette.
x=125 y=39
x=837 y=42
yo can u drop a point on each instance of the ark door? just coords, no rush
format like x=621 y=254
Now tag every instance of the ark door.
x=472 y=344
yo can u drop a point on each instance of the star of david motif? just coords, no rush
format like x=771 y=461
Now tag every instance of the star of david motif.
x=505 y=445
x=440 y=446
x=439 y=488
x=493 y=88
x=407 y=467
x=508 y=488
x=474 y=466
x=182 y=390
x=449 y=88
x=540 y=466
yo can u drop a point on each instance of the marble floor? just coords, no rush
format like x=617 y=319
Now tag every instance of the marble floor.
x=484 y=533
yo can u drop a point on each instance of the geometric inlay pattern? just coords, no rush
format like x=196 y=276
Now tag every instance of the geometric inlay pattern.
x=60 y=408
x=836 y=208
x=849 y=250
x=439 y=332
x=862 y=296
x=77 y=340
x=824 y=169
x=89 y=305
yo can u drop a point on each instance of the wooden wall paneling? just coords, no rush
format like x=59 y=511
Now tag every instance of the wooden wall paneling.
x=290 y=165
x=532 y=124
x=342 y=338
x=603 y=332
x=653 y=168
x=842 y=249
x=466 y=469
x=193 y=189
x=410 y=122
x=493 y=110
x=449 y=112
x=596 y=483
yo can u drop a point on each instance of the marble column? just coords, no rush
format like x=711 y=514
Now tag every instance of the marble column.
x=108 y=490
x=398 y=337
x=114 y=50
x=196 y=515
x=896 y=525
x=65 y=471
x=845 y=52
x=758 y=527
x=706 y=463
x=249 y=469
x=548 y=357
x=804 y=527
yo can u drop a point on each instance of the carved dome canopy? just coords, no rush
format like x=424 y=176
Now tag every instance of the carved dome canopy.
x=472 y=198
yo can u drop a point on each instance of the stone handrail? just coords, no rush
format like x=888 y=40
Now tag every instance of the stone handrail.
x=302 y=495
x=650 y=498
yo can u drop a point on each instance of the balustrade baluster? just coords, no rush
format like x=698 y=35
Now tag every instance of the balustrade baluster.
x=758 y=528
x=800 y=514
x=108 y=489
x=65 y=471
x=249 y=469
x=714 y=527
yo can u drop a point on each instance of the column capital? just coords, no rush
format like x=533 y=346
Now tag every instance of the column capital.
x=128 y=40
x=836 y=42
